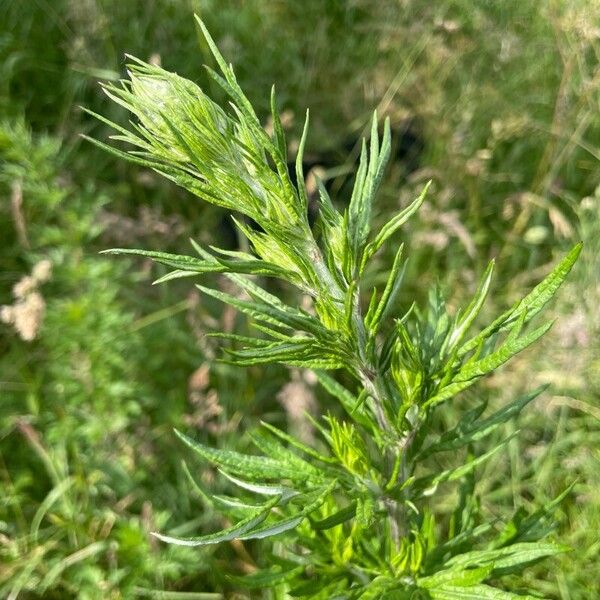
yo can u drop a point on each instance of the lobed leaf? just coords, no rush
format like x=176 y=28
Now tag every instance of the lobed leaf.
x=268 y=444
x=532 y=303
x=474 y=370
x=523 y=528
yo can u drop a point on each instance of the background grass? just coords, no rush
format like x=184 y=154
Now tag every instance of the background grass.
x=498 y=103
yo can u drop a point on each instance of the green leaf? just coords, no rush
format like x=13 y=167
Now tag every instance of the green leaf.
x=291 y=522
x=149 y=161
x=92 y=553
x=274 y=352
x=430 y=482
x=278 y=128
x=302 y=195
x=525 y=529
x=357 y=215
x=269 y=445
x=271 y=314
x=349 y=402
x=231 y=533
x=532 y=303
x=305 y=352
x=317 y=587
x=253 y=467
x=244 y=339
x=392 y=226
x=368 y=179
x=392 y=287
x=196 y=487
x=476 y=369
x=273 y=529
x=264 y=489
x=376 y=588
x=472 y=310
x=506 y=559
x=298 y=444
x=467 y=432
x=456 y=577
x=506 y=351
x=233 y=506
x=177 y=274
x=545 y=291
x=477 y=592
x=264 y=580
x=234 y=88
x=339 y=517
x=53 y=496
x=453 y=546
x=191 y=264
x=297 y=318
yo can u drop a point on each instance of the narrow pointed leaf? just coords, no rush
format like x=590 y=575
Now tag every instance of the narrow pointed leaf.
x=254 y=467
x=392 y=226
x=226 y=535
x=506 y=558
x=291 y=522
x=532 y=303
x=299 y=170
x=473 y=371
x=264 y=580
x=264 y=489
x=476 y=592
x=349 y=401
x=467 y=433
x=390 y=292
x=341 y=516
x=431 y=481
x=298 y=444
x=472 y=310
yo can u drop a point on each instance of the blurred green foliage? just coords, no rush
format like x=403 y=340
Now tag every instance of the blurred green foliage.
x=505 y=100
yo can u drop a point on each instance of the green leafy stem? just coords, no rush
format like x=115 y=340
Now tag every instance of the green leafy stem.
x=356 y=511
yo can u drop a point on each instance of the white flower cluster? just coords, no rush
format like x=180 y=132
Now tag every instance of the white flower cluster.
x=26 y=314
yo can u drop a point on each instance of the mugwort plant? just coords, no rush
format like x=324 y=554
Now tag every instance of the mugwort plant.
x=355 y=515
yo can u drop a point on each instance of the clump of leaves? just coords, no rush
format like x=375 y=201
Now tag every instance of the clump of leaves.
x=358 y=514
